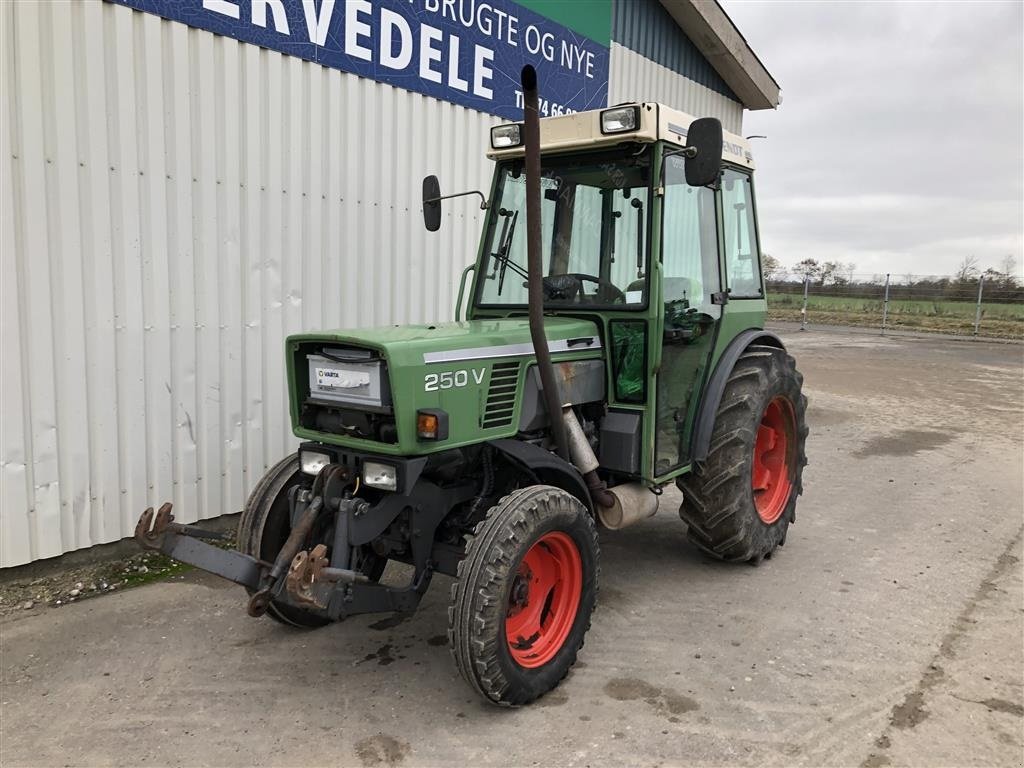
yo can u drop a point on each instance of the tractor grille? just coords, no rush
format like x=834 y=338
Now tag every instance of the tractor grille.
x=501 y=396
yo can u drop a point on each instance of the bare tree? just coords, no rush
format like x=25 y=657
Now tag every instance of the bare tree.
x=831 y=274
x=1008 y=267
x=809 y=269
x=968 y=270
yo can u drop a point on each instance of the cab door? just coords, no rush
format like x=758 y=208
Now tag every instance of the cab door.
x=740 y=250
x=689 y=296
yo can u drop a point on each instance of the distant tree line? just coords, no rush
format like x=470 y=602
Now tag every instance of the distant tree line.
x=832 y=278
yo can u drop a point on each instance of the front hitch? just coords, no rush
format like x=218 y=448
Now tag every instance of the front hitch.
x=302 y=576
x=311 y=580
x=274 y=583
x=296 y=577
x=160 y=533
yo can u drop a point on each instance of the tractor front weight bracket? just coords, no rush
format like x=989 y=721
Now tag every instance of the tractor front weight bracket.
x=308 y=579
x=159 y=532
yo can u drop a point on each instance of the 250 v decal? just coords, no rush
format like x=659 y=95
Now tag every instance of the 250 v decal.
x=451 y=379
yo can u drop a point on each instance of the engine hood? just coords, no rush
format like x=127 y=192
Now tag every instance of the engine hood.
x=437 y=343
x=473 y=371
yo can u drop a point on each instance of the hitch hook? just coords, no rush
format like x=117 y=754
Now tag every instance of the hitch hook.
x=305 y=570
x=150 y=529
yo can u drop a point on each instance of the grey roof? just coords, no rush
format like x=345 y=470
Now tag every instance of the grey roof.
x=708 y=26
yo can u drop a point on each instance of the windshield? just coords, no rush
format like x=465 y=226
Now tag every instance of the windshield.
x=594 y=211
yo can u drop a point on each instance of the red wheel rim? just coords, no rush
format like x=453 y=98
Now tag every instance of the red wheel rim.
x=543 y=600
x=771 y=476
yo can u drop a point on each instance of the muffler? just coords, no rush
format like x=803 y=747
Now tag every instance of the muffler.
x=616 y=507
x=633 y=502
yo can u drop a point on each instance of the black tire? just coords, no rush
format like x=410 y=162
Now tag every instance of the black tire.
x=480 y=597
x=718 y=496
x=265 y=525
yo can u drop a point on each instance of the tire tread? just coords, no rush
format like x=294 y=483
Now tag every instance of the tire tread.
x=717 y=501
x=475 y=615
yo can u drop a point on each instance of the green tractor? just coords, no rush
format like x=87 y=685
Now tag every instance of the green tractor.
x=613 y=344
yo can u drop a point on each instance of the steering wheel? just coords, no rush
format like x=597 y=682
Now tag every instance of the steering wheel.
x=568 y=286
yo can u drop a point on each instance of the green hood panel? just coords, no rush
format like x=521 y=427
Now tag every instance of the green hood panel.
x=447 y=366
x=406 y=345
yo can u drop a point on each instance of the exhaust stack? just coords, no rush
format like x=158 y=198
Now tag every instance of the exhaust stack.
x=534 y=266
x=624 y=504
x=583 y=458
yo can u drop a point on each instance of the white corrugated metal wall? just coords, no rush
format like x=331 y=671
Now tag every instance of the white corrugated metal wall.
x=174 y=203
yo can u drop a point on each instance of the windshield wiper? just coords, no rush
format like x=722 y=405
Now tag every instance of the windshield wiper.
x=508 y=231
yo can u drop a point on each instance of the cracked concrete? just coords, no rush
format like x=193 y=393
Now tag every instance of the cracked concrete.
x=941 y=709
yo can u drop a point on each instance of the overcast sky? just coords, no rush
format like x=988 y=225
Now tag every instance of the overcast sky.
x=898 y=142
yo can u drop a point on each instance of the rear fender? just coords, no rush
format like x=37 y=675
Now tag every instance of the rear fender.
x=549 y=468
x=712 y=397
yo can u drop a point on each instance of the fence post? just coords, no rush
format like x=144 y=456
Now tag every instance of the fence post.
x=977 y=309
x=885 y=304
x=803 y=312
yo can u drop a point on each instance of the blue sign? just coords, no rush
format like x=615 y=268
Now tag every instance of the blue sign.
x=467 y=52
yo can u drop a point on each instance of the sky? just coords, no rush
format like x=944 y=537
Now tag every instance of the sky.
x=898 y=143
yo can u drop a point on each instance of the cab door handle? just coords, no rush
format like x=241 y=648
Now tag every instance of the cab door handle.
x=587 y=340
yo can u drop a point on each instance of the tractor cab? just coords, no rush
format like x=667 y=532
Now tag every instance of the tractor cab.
x=648 y=249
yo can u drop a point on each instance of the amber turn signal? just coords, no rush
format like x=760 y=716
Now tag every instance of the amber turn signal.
x=426 y=426
x=431 y=424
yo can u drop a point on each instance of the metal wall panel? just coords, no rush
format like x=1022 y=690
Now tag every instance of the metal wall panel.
x=174 y=204
x=645 y=27
x=637 y=78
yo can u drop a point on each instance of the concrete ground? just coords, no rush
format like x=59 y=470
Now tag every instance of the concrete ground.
x=888 y=631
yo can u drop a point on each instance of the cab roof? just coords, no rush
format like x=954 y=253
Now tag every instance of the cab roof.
x=582 y=130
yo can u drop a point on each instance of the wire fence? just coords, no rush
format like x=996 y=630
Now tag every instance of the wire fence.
x=985 y=306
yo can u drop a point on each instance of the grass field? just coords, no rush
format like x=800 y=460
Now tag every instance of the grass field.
x=956 y=317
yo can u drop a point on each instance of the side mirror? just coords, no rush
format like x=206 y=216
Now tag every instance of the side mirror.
x=431 y=204
x=703 y=152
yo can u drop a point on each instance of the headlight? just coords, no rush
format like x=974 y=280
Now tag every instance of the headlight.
x=620 y=119
x=505 y=136
x=312 y=462
x=383 y=476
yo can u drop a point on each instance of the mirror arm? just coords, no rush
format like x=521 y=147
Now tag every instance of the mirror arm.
x=483 y=200
x=685 y=152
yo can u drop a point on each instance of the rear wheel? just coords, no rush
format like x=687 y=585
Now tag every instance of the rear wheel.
x=526 y=589
x=739 y=502
x=266 y=523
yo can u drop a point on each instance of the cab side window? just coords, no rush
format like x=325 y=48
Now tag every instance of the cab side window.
x=690 y=241
x=742 y=259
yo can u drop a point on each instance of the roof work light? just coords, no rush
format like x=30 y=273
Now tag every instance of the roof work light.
x=620 y=119
x=505 y=136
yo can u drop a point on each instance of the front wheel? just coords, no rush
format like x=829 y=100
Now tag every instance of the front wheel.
x=526 y=589
x=739 y=502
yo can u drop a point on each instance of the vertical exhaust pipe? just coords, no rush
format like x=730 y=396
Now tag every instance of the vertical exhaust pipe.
x=534 y=266
x=583 y=458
